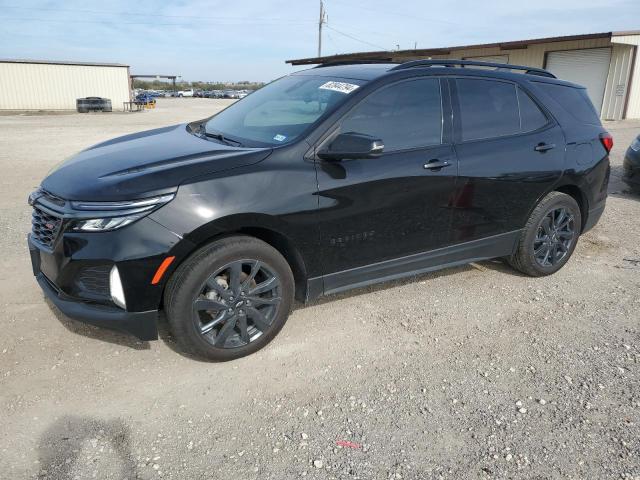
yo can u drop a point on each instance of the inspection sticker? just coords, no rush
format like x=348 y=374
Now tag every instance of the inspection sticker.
x=280 y=138
x=341 y=87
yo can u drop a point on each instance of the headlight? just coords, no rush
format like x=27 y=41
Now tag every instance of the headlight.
x=635 y=145
x=101 y=224
x=104 y=216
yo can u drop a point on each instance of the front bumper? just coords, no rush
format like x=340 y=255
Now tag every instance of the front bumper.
x=72 y=275
x=142 y=325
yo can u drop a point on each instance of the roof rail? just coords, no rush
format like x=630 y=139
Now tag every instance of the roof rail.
x=463 y=63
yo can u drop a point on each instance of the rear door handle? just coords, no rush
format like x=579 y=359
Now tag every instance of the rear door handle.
x=543 y=147
x=436 y=164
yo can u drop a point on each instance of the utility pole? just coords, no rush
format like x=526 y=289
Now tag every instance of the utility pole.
x=321 y=21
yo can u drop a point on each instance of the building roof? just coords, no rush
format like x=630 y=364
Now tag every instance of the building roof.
x=387 y=55
x=360 y=71
x=56 y=62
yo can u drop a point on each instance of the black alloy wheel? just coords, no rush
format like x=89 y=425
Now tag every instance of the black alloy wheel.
x=230 y=298
x=237 y=303
x=549 y=237
x=554 y=238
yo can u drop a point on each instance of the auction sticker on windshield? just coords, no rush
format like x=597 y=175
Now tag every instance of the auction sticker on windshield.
x=341 y=87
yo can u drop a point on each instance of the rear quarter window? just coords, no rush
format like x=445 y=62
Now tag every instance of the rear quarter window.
x=531 y=117
x=573 y=100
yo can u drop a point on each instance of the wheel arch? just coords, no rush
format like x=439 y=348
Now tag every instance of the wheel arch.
x=579 y=196
x=262 y=227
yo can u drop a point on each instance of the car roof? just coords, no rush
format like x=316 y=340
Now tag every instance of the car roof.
x=371 y=71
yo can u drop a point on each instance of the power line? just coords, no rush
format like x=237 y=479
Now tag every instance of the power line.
x=399 y=14
x=145 y=14
x=114 y=22
x=356 y=39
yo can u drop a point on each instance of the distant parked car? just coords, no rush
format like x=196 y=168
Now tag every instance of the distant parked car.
x=228 y=93
x=93 y=104
x=145 y=98
x=185 y=93
x=217 y=94
x=631 y=165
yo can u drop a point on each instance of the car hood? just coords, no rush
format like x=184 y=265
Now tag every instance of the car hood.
x=144 y=164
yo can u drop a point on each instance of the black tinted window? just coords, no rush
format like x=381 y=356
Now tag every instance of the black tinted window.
x=487 y=108
x=531 y=117
x=404 y=115
x=574 y=100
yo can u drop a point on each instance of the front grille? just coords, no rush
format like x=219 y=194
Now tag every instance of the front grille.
x=44 y=227
x=94 y=280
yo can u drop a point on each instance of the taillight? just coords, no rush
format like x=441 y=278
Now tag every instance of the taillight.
x=607 y=141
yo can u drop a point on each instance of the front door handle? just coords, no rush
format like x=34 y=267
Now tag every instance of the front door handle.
x=436 y=164
x=543 y=147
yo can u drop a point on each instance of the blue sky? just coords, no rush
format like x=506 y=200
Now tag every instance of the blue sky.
x=249 y=40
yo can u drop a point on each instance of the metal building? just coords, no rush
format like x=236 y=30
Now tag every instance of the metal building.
x=47 y=85
x=606 y=63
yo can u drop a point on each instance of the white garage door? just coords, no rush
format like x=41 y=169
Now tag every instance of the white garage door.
x=588 y=67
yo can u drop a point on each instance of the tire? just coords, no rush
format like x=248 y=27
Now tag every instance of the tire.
x=543 y=249
x=212 y=322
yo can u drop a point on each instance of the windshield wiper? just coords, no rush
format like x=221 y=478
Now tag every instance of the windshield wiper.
x=218 y=136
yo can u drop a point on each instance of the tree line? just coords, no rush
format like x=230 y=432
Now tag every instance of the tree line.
x=160 y=85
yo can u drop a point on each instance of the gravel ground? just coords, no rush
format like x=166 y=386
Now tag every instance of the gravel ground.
x=471 y=372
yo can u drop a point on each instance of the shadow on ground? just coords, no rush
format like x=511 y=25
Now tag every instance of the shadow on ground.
x=62 y=444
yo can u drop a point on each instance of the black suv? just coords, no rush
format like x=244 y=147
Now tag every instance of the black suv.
x=327 y=179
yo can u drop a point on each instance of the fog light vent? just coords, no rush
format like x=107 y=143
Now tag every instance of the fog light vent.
x=115 y=287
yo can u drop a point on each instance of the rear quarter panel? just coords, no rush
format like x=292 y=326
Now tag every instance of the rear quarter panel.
x=586 y=159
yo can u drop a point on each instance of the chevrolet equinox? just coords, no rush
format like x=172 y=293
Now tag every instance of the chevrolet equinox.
x=332 y=178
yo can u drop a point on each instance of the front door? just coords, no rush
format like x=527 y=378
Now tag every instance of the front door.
x=373 y=210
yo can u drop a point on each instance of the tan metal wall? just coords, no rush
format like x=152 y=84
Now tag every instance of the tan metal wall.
x=620 y=78
x=33 y=86
x=532 y=56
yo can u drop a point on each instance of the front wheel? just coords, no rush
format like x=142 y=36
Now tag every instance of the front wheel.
x=230 y=298
x=549 y=237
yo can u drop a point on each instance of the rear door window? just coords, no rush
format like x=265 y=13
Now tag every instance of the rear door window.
x=574 y=100
x=488 y=108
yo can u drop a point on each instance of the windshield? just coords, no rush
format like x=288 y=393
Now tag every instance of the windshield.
x=281 y=111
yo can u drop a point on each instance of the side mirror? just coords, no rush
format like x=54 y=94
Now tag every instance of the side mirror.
x=352 y=145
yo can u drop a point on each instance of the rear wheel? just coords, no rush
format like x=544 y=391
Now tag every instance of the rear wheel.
x=549 y=237
x=230 y=298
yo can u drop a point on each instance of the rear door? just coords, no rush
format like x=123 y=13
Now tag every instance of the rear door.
x=510 y=152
